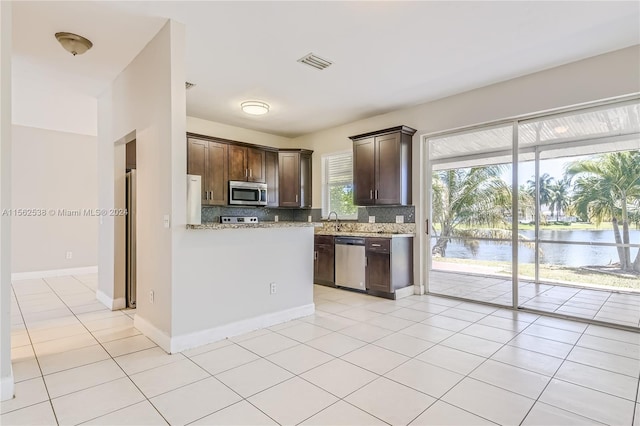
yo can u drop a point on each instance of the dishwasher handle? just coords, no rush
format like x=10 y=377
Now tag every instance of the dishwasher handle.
x=349 y=241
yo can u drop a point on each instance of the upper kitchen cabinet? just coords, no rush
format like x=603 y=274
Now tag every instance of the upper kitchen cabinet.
x=294 y=177
x=271 y=177
x=246 y=164
x=382 y=167
x=208 y=159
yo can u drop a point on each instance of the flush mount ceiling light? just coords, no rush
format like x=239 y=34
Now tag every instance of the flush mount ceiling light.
x=73 y=43
x=255 y=107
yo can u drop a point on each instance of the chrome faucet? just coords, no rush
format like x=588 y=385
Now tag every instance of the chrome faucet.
x=335 y=226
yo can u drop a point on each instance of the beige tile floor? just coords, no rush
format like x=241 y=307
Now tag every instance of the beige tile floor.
x=359 y=360
x=622 y=308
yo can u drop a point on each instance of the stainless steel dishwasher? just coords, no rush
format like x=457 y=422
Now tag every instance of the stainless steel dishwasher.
x=350 y=262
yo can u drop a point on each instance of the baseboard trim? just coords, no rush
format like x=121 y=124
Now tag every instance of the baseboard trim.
x=7 y=387
x=152 y=332
x=199 y=338
x=113 y=304
x=17 y=276
x=405 y=292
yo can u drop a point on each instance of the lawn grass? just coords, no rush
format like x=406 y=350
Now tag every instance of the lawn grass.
x=554 y=274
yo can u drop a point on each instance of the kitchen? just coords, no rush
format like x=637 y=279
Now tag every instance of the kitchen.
x=378 y=257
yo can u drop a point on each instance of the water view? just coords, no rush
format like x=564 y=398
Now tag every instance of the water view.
x=554 y=254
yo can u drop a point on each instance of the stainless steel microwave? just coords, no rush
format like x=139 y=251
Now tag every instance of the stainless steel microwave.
x=247 y=193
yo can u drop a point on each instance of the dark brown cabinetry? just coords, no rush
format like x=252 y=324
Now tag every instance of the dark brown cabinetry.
x=209 y=160
x=294 y=176
x=389 y=265
x=246 y=164
x=287 y=172
x=323 y=260
x=130 y=160
x=271 y=177
x=382 y=167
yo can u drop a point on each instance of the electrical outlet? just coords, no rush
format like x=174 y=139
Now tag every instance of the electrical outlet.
x=272 y=288
x=166 y=221
x=309 y=218
x=400 y=218
x=276 y=218
x=69 y=255
x=372 y=219
x=151 y=296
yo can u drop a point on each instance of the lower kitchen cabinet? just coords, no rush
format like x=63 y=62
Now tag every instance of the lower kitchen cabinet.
x=324 y=260
x=389 y=265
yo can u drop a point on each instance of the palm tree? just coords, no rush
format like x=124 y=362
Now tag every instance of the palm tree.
x=469 y=196
x=559 y=196
x=607 y=186
x=544 y=183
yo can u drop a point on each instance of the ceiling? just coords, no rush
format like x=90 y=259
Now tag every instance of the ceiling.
x=387 y=55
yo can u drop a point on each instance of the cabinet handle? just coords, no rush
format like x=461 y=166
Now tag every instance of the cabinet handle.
x=296 y=198
x=375 y=245
x=250 y=172
x=366 y=261
x=206 y=195
x=211 y=195
x=427 y=227
x=245 y=172
x=376 y=194
x=371 y=194
x=315 y=255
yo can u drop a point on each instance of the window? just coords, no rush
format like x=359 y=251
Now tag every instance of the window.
x=337 y=185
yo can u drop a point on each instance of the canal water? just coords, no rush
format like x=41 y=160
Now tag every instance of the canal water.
x=551 y=253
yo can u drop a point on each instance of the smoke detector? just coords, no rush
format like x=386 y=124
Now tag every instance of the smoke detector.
x=315 y=61
x=188 y=85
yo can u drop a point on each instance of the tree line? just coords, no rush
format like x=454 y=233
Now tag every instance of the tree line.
x=476 y=201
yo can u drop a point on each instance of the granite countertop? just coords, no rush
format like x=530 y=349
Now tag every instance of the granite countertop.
x=365 y=234
x=215 y=225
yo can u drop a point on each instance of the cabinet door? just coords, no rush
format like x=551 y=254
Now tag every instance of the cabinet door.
x=363 y=172
x=324 y=264
x=271 y=177
x=289 y=179
x=378 y=272
x=305 y=180
x=217 y=174
x=388 y=185
x=255 y=164
x=238 y=169
x=197 y=152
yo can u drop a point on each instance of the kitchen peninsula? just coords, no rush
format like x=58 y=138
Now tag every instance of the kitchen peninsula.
x=242 y=277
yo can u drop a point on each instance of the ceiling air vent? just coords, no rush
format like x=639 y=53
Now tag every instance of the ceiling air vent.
x=188 y=85
x=315 y=61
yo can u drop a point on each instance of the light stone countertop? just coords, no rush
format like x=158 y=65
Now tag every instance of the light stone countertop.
x=215 y=225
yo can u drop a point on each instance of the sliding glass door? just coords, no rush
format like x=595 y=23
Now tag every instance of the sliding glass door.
x=470 y=227
x=547 y=209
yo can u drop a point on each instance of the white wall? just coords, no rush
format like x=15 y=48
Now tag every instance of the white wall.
x=146 y=98
x=225 y=131
x=40 y=101
x=6 y=375
x=53 y=170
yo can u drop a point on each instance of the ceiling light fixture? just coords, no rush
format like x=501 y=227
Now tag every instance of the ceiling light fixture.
x=255 y=107
x=74 y=43
x=560 y=129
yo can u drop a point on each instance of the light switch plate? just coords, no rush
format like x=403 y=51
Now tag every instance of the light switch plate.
x=167 y=221
x=372 y=219
x=400 y=218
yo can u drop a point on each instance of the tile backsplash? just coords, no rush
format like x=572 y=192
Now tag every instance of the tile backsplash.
x=264 y=214
x=383 y=214
x=387 y=214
